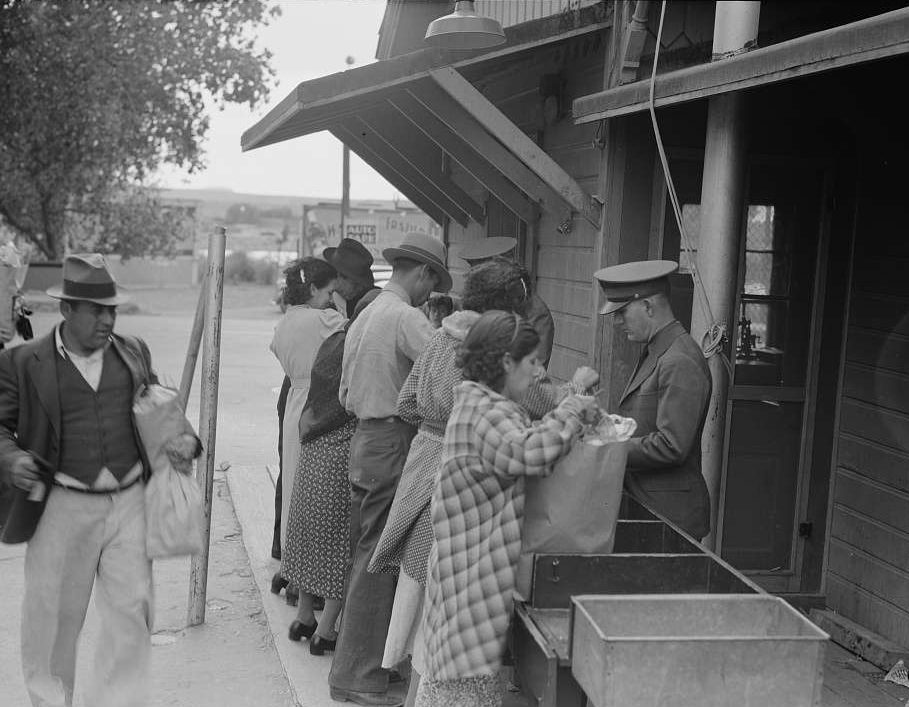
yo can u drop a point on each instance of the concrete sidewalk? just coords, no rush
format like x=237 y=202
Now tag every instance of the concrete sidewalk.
x=252 y=489
x=230 y=661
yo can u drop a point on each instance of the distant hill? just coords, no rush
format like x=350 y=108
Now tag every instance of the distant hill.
x=261 y=222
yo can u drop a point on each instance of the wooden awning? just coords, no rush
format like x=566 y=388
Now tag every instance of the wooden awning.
x=405 y=117
x=867 y=40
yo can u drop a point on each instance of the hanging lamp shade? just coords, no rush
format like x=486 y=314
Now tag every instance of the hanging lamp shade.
x=464 y=29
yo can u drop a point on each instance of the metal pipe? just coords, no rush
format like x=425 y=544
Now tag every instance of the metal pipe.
x=722 y=207
x=208 y=417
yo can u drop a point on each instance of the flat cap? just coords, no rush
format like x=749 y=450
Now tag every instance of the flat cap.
x=628 y=282
x=487 y=248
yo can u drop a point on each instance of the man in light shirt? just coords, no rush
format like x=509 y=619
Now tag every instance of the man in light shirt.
x=66 y=419
x=380 y=349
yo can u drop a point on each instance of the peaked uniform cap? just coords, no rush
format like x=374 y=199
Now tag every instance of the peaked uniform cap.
x=625 y=283
x=86 y=276
x=423 y=248
x=488 y=248
x=351 y=259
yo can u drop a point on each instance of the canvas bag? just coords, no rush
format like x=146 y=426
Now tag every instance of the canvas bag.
x=173 y=499
x=574 y=509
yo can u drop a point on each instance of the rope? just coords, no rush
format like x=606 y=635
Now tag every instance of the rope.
x=716 y=335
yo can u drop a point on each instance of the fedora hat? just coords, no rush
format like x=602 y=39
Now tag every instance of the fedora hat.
x=423 y=248
x=87 y=277
x=486 y=248
x=351 y=259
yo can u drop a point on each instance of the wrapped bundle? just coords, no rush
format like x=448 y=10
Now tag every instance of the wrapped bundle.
x=173 y=500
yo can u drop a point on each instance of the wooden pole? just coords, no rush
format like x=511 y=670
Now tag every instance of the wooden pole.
x=208 y=416
x=195 y=340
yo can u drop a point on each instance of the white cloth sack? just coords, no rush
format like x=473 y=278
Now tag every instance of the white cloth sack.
x=173 y=500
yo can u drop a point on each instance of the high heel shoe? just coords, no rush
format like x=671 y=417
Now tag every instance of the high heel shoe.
x=300 y=630
x=278 y=583
x=292 y=595
x=318 y=645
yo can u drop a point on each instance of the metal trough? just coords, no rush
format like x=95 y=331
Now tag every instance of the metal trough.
x=695 y=650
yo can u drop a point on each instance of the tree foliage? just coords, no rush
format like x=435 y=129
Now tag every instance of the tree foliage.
x=96 y=95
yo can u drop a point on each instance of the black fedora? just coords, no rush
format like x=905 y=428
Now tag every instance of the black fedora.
x=423 y=248
x=86 y=276
x=351 y=259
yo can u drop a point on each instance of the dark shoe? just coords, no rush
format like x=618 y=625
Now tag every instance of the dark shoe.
x=300 y=630
x=278 y=583
x=318 y=645
x=367 y=699
x=318 y=603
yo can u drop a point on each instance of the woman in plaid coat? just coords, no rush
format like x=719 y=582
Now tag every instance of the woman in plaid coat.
x=477 y=507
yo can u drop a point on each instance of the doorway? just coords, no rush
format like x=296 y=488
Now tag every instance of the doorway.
x=775 y=345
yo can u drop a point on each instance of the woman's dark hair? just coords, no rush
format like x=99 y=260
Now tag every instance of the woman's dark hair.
x=493 y=335
x=303 y=276
x=498 y=283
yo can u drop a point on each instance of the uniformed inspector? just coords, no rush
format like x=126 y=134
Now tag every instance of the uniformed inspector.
x=667 y=395
x=535 y=310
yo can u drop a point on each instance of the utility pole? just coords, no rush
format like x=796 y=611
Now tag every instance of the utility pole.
x=345 y=176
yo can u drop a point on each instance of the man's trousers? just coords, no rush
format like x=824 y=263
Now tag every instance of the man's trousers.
x=85 y=541
x=378 y=451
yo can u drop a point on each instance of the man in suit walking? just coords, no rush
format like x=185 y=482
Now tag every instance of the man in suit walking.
x=66 y=402
x=667 y=395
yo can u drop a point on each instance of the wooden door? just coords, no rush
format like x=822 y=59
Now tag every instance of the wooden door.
x=771 y=411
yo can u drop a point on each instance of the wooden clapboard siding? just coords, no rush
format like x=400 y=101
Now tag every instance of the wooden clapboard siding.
x=563 y=263
x=868 y=557
x=514 y=12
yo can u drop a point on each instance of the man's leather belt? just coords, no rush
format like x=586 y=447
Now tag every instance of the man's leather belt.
x=100 y=492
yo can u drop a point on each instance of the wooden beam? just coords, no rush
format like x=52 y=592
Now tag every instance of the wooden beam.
x=422 y=154
x=532 y=155
x=447 y=110
x=460 y=150
x=407 y=189
x=403 y=169
x=878 y=37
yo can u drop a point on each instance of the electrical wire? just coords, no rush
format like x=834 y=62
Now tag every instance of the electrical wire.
x=716 y=335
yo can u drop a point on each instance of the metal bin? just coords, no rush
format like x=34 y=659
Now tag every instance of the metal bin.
x=695 y=650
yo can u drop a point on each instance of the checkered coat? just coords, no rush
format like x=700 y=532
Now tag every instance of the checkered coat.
x=477 y=509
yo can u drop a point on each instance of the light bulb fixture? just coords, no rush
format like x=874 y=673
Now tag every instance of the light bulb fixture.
x=464 y=30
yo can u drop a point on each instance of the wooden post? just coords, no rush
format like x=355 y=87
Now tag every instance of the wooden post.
x=208 y=416
x=195 y=339
x=722 y=204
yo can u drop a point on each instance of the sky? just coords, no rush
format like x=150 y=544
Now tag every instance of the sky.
x=311 y=38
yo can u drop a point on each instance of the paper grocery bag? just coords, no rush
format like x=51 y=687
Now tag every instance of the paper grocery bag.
x=573 y=510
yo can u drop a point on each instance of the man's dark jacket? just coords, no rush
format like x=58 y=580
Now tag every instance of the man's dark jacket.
x=668 y=396
x=30 y=403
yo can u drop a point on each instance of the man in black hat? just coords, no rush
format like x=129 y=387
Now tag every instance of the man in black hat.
x=66 y=404
x=535 y=309
x=381 y=346
x=355 y=278
x=667 y=395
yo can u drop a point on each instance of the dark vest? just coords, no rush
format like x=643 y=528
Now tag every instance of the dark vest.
x=97 y=426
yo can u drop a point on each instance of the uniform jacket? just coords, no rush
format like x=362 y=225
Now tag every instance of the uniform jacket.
x=30 y=403
x=477 y=511
x=668 y=397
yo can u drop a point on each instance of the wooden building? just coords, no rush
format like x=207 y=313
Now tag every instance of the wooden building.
x=549 y=138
